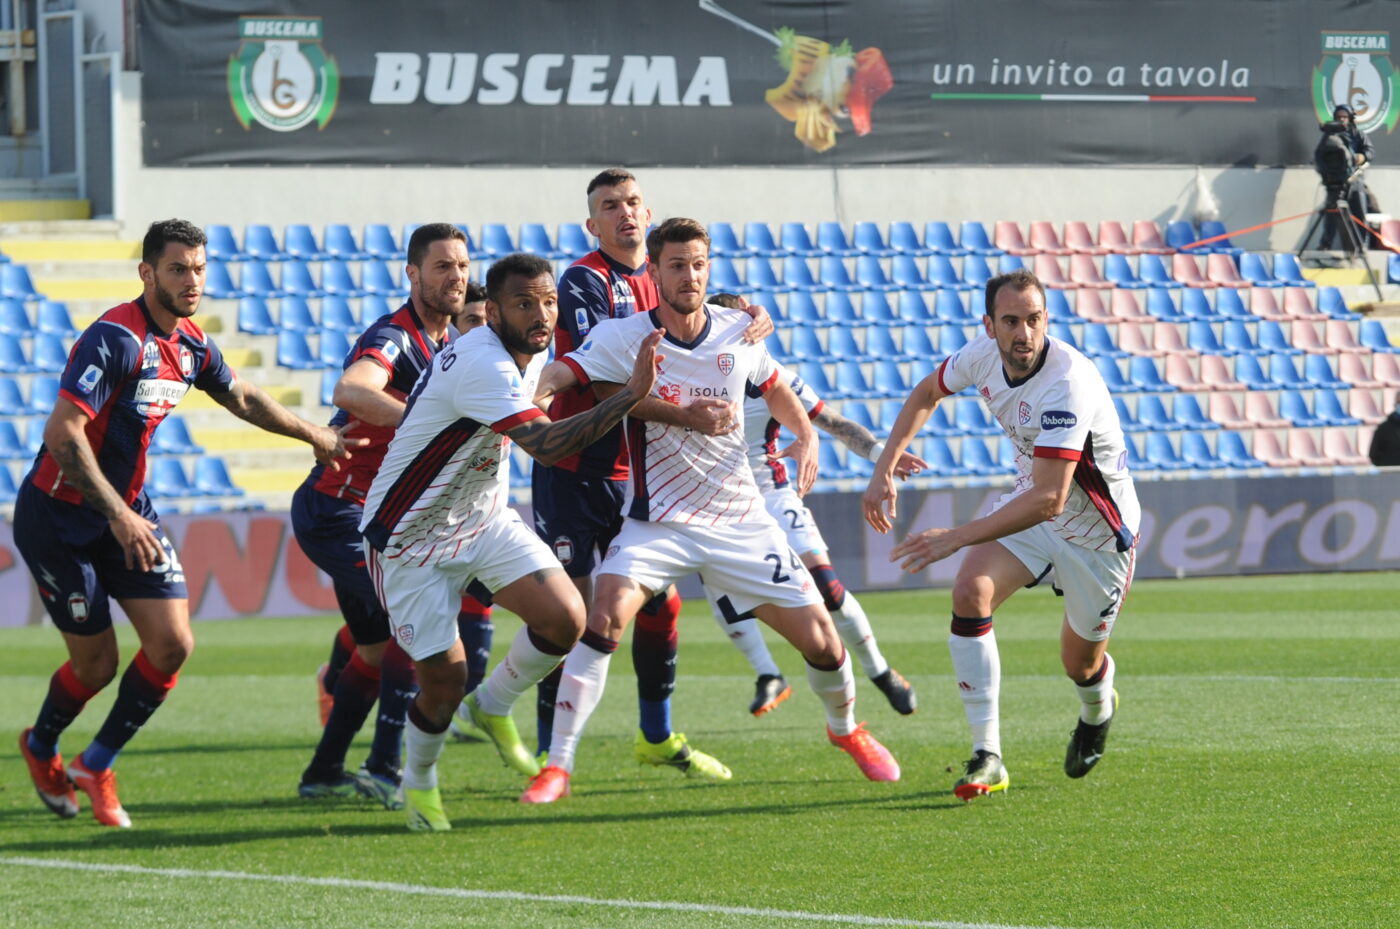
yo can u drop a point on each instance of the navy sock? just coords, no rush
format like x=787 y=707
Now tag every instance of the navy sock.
x=142 y=690
x=65 y=700
x=475 y=629
x=355 y=694
x=342 y=647
x=654 y=661
x=397 y=687
x=546 y=692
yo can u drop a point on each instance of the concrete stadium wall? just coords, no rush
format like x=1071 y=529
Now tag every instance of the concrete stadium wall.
x=1246 y=196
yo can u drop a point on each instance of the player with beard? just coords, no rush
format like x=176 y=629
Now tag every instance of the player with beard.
x=436 y=521
x=86 y=527
x=379 y=372
x=1073 y=512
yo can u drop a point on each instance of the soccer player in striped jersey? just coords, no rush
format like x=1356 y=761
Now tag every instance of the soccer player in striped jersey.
x=692 y=505
x=86 y=527
x=1073 y=512
x=436 y=521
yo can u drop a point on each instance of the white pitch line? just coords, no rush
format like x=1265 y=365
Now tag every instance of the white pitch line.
x=509 y=895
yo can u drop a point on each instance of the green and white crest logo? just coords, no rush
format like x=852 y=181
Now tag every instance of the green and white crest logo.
x=1355 y=70
x=281 y=77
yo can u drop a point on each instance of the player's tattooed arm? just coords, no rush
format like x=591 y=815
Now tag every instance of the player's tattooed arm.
x=848 y=432
x=252 y=405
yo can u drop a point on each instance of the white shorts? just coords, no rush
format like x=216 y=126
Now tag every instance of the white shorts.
x=796 y=520
x=423 y=601
x=1093 y=583
x=745 y=565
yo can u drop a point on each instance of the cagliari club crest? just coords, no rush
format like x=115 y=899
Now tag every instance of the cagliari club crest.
x=281 y=77
x=1355 y=70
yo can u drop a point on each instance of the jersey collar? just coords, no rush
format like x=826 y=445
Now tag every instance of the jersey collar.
x=1017 y=382
x=688 y=346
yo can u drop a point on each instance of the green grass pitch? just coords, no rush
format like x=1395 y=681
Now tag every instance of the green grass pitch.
x=1250 y=781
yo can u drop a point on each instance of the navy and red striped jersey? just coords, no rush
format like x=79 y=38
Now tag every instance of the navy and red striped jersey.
x=593 y=289
x=398 y=342
x=127 y=375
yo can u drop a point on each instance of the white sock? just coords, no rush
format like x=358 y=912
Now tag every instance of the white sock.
x=837 y=690
x=747 y=637
x=1096 y=700
x=855 y=631
x=524 y=667
x=580 y=690
x=977 y=667
x=421 y=750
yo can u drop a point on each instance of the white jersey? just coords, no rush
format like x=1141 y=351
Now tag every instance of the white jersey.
x=761 y=432
x=679 y=475
x=444 y=476
x=1061 y=410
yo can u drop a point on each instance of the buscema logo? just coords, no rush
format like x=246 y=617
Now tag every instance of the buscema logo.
x=1057 y=419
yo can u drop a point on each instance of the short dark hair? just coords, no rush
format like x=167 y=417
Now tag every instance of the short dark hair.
x=609 y=178
x=424 y=236
x=729 y=301
x=475 y=292
x=1017 y=280
x=675 y=229
x=164 y=231
x=524 y=264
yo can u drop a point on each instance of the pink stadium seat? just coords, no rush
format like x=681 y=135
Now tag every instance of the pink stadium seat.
x=1338 y=444
x=1356 y=371
x=1134 y=338
x=1225 y=411
x=1147 y=238
x=1181 y=374
x=1167 y=339
x=1085 y=273
x=1260 y=412
x=1298 y=303
x=1089 y=305
x=1268 y=449
x=1304 y=335
x=1048 y=269
x=1303 y=448
x=1390 y=231
x=1185 y=271
x=1221 y=269
x=1384 y=368
x=1044 y=239
x=1079 y=239
x=1123 y=304
x=1340 y=338
x=1363 y=437
x=1364 y=407
x=1264 y=304
x=1113 y=238
x=1007 y=237
x=1216 y=374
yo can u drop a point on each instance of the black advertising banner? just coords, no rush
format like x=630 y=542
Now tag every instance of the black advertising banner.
x=760 y=82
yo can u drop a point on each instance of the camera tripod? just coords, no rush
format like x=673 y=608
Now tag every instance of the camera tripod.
x=1336 y=199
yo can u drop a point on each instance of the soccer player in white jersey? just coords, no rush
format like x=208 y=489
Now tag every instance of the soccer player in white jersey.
x=436 y=522
x=1073 y=511
x=784 y=505
x=692 y=504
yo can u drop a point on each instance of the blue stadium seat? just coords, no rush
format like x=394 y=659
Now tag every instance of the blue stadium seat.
x=294 y=313
x=976 y=272
x=167 y=478
x=758 y=240
x=1117 y=270
x=1179 y=234
x=1057 y=307
x=843 y=345
x=12 y=399
x=889 y=381
x=1127 y=419
x=256 y=280
x=938 y=240
x=973 y=237
x=254 y=318
x=1065 y=334
x=1161 y=306
x=840 y=311
x=1273 y=340
x=976 y=458
x=574 y=240
x=870 y=275
x=1318 y=372
x=1283 y=374
x=1006 y=455
x=218 y=283
x=1113 y=377
x=34 y=435
x=1288 y=272
x=802 y=310
x=829 y=462
x=379 y=243
x=794 y=240
x=336 y=313
x=1201 y=337
x=912 y=309
x=337 y=279
x=1329 y=301
x=1250 y=373
x=868 y=241
x=1009 y=263
x=1154 y=272
x=1328 y=407
x=759 y=276
x=1230 y=305
x=859 y=413
x=329 y=378
x=1145 y=373
x=496 y=240
x=1231 y=450
x=299 y=242
x=814 y=374
x=340 y=244
x=1292 y=405
x=297 y=280
x=1392 y=274
x=260 y=244
x=534 y=238
x=942 y=461
x=831 y=240
x=905 y=272
x=379 y=280
x=807 y=345
x=1159 y=451
x=904 y=239
x=724 y=277
x=50 y=353
x=851 y=382
x=875 y=310
x=949 y=308
x=408 y=230
x=917 y=344
x=172 y=437
x=1210 y=228
x=12 y=356
x=294 y=352
x=221 y=245
x=14 y=318
x=10 y=445
x=880 y=344
x=1253 y=269
x=971 y=419
x=211 y=478
x=797 y=274
x=1195 y=305
x=951 y=338
x=43 y=393
x=334 y=347
x=1196 y=453
x=1372 y=335
x=943 y=276
x=9 y=489
x=15 y=283
x=724 y=241
x=1188 y=415
x=1152 y=415
x=778 y=349
x=1099 y=341
x=52 y=317
x=834 y=276
x=775 y=306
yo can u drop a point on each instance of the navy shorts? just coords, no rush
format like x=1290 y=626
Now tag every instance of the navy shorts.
x=576 y=516
x=328 y=530
x=77 y=563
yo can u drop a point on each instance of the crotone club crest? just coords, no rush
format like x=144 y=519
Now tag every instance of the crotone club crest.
x=726 y=363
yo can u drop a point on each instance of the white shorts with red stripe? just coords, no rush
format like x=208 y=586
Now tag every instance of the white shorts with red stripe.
x=423 y=600
x=1093 y=583
x=786 y=507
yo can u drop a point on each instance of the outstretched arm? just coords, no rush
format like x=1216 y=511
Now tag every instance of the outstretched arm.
x=252 y=405
x=861 y=441
x=788 y=410
x=879 y=500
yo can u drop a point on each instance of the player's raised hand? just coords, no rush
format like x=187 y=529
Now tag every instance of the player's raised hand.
x=712 y=417
x=804 y=456
x=924 y=548
x=908 y=464
x=878 y=502
x=137 y=537
x=760 y=328
x=331 y=446
x=643 y=377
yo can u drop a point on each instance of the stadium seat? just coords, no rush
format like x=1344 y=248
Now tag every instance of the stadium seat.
x=1099 y=341
x=1201 y=337
x=43 y=393
x=1159 y=451
x=1007 y=236
x=1250 y=373
x=834 y=276
x=867 y=240
x=1360 y=371
x=340 y=244
x=797 y=274
x=1047 y=268
x=380 y=244
x=912 y=309
x=1221 y=270
x=1303 y=449
x=1213 y=229
x=851 y=382
x=794 y=239
x=256 y=280
x=10 y=445
x=1180 y=234
x=831 y=240
x=1127 y=419
x=1196 y=453
x=496 y=240
x=50 y=353
x=334 y=347
x=1229 y=304
x=1147 y=238
x=1079 y=239
x=951 y=338
x=1057 y=307
x=976 y=271
x=1225 y=411
x=1183 y=374
x=758 y=240
x=172 y=437
x=9 y=489
x=1089 y=304
x=1137 y=339
x=1263 y=304
x=1283 y=374
x=904 y=240
x=942 y=462
x=376 y=278
x=1273 y=340
x=1144 y=373
x=1328 y=407
x=1186 y=272
x=1338 y=445
x=15 y=283
x=211 y=478
x=880 y=344
x=1362 y=406
x=1152 y=271
x=1373 y=336
x=950 y=308
x=12 y=401
x=1236 y=339
x=1195 y=305
x=972 y=235
x=1253 y=270
x=1113 y=377
x=1162 y=306
x=221 y=245
x=336 y=313
x=802 y=311
x=294 y=352
x=574 y=241
x=1330 y=302
x=1188 y=415
x=843 y=345
x=167 y=478
x=254 y=318
x=970 y=418
x=839 y=310
x=906 y=274
x=1044 y=239
x=34 y=435
x=1065 y=333
x=870 y=275
x=1293 y=406
x=218 y=283
x=918 y=343
x=758 y=275
x=938 y=240
x=329 y=378
x=52 y=317
x=1152 y=415
x=259 y=243
x=814 y=374
x=534 y=238
x=1084 y=273
x=1298 y=304
x=1119 y=273
x=1230 y=448
x=1338 y=337
x=1112 y=237
x=14 y=318
x=294 y=314
x=297 y=280
x=889 y=381
x=723 y=241
x=875 y=310
x=1287 y=271
x=977 y=459
x=942 y=275
x=12 y=355
x=299 y=242
x=1318 y=372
